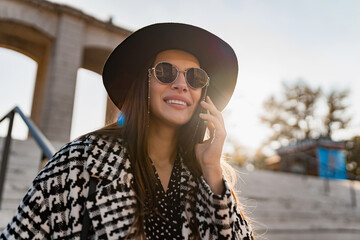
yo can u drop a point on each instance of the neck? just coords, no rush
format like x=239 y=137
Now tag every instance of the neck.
x=162 y=143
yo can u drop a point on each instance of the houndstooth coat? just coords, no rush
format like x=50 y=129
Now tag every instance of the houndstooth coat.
x=53 y=207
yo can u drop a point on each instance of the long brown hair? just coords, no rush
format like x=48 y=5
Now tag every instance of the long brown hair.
x=135 y=132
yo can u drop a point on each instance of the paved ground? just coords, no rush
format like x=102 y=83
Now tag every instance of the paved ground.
x=318 y=235
x=288 y=206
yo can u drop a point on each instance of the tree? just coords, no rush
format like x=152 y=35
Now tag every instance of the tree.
x=258 y=159
x=294 y=115
x=335 y=119
x=353 y=156
x=239 y=154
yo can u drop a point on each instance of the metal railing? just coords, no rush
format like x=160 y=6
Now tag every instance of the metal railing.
x=47 y=149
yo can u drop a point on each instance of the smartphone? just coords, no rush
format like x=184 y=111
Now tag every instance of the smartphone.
x=202 y=122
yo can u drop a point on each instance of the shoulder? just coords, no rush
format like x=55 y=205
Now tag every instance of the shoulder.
x=74 y=152
x=76 y=155
x=82 y=147
x=76 y=148
x=108 y=158
x=100 y=145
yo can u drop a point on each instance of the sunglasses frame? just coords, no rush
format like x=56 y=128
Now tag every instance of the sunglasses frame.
x=177 y=75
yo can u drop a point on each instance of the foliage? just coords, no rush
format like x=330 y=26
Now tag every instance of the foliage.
x=239 y=154
x=296 y=113
x=259 y=160
x=353 y=157
x=335 y=119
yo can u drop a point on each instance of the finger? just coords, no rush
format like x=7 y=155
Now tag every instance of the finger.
x=210 y=125
x=215 y=108
x=209 y=108
x=211 y=130
x=218 y=113
x=211 y=119
x=212 y=109
x=219 y=126
x=204 y=144
x=209 y=100
x=213 y=113
x=212 y=133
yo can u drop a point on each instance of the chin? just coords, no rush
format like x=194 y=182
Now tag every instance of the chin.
x=172 y=118
x=178 y=121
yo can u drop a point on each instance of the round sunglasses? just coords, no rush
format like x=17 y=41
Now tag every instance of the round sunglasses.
x=167 y=73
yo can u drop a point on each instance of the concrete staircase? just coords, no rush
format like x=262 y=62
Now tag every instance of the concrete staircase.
x=288 y=206
x=281 y=206
x=23 y=165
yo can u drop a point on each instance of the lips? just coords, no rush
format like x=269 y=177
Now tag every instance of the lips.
x=177 y=100
x=171 y=101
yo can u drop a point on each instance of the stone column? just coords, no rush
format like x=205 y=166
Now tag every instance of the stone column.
x=65 y=59
x=40 y=85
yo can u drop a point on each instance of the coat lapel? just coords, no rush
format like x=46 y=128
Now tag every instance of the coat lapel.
x=112 y=206
x=187 y=196
x=108 y=159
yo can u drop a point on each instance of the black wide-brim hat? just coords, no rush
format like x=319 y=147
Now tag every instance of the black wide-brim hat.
x=132 y=56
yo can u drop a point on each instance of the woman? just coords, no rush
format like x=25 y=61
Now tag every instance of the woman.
x=150 y=175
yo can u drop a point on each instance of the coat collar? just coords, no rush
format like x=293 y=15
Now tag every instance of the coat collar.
x=108 y=159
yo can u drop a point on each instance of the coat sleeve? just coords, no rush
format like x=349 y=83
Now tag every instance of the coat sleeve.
x=219 y=215
x=31 y=219
x=52 y=208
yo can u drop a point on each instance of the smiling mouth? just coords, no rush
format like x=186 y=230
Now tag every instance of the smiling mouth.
x=178 y=102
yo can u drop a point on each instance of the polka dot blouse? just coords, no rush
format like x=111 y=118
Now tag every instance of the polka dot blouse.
x=168 y=226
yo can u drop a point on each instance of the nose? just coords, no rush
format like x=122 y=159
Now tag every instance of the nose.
x=180 y=83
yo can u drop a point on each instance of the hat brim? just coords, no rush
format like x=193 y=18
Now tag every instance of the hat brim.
x=216 y=57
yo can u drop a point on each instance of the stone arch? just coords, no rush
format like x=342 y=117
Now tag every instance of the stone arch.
x=24 y=38
x=25 y=12
x=94 y=58
x=35 y=44
x=17 y=87
x=61 y=39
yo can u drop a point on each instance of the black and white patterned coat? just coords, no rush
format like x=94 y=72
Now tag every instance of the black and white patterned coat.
x=54 y=206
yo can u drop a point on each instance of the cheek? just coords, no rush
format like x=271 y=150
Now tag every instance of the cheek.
x=155 y=88
x=196 y=95
x=156 y=91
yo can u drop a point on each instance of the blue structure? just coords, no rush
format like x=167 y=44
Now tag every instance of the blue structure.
x=331 y=163
x=318 y=157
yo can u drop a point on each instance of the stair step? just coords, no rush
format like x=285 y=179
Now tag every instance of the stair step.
x=10 y=204
x=6 y=216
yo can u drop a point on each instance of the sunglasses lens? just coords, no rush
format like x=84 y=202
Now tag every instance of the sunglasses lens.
x=165 y=72
x=196 y=77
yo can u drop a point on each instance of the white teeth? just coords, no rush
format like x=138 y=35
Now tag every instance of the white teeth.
x=171 y=101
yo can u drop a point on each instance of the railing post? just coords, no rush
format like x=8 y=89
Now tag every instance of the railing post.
x=5 y=155
x=352 y=179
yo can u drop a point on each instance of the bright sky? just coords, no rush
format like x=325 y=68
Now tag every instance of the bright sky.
x=275 y=41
